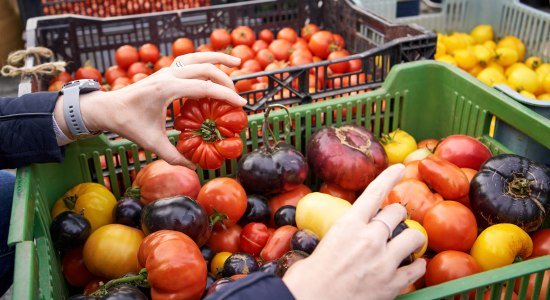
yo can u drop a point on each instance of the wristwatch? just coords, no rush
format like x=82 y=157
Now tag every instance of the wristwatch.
x=71 y=92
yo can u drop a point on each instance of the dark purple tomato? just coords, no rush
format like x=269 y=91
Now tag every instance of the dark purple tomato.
x=285 y=215
x=257 y=210
x=304 y=240
x=287 y=260
x=239 y=263
x=128 y=212
x=207 y=253
x=269 y=267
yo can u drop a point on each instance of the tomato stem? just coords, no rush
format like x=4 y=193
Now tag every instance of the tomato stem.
x=136 y=280
x=133 y=192
x=70 y=201
x=520 y=187
x=266 y=129
x=217 y=217
x=209 y=132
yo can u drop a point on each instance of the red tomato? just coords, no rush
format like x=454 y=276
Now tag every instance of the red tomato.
x=487 y=295
x=149 y=53
x=74 y=269
x=355 y=65
x=337 y=191
x=259 y=45
x=163 y=62
x=125 y=56
x=429 y=144
x=530 y=288
x=137 y=68
x=252 y=66
x=279 y=243
x=122 y=81
x=182 y=46
x=243 y=35
x=280 y=49
x=254 y=236
x=301 y=52
x=300 y=44
x=339 y=41
x=205 y=48
x=63 y=77
x=444 y=177
x=113 y=73
x=409 y=289
x=220 y=39
x=288 y=34
x=93 y=285
x=138 y=77
x=322 y=43
x=227 y=70
x=223 y=196
x=288 y=198
x=243 y=52
x=265 y=57
x=415 y=195
x=55 y=86
x=450 y=226
x=266 y=35
x=227 y=240
x=463 y=151
x=242 y=85
x=341 y=67
x=300 y=60
x=470 y=173
x=88 y=72
x=309 y=30
x=449 y=265
x=541 y=243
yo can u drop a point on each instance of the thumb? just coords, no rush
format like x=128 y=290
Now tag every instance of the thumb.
x=166 y=151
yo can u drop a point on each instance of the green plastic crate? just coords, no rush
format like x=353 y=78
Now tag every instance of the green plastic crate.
x=508 y=17
x=427 y=99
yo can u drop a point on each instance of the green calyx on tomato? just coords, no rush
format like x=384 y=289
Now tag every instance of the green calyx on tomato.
x=209 y=132
x=139 y=280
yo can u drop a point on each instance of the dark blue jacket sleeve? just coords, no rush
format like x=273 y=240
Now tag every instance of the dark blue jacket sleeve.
x=258 y=285
x=26 y=130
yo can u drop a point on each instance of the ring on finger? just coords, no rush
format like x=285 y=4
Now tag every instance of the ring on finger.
x=385 y=223
x=180 y=64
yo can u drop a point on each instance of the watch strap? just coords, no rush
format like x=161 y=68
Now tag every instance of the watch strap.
x=71 y=111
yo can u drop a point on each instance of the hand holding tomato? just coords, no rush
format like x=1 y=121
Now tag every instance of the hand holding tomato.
x=138 y=111
x=358 y=243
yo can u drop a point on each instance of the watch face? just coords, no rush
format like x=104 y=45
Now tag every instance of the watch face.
x=84 y=85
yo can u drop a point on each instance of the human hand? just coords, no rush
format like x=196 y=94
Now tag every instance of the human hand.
x=354 y=260
x=138 y=112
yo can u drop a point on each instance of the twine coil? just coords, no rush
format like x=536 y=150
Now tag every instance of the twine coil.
x=16 y=61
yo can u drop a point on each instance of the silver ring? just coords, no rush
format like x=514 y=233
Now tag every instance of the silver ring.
x=385 y=223
x=180 y=64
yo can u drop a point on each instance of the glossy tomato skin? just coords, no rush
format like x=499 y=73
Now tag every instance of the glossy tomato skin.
x=239 y=263
x=207 y=253
x=124 y=291
x=225 y=240
x=224 y=196
x=449 y=265
x=511 y=189
x=266 y=35
x=444 y=177
x=280 y=49
x=288 y=198
x=415 y=195
x=463 y=151
x=321 y=43
x=309 y=30
x=111 y=251
x=163 y=62
x=450 y=226
x=278 y=244
x=181 y=214
x=288 y=34
x=285 y=215
x=220 y=39
x=243 y=35
x=541 y=243
x=149 y=53
x=304 y=240
x=88 y=72
x=287 y=260
x=74 y=269
x=254 y=236
x=137 y=68
x=113 y=73
x=128 y=212
x=341 y=67
x=69 y=230
x=182 y=46
x=125 y=56
x=257 y=210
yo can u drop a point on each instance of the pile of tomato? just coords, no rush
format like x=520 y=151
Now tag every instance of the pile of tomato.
x=478 y=211
x=264 y=51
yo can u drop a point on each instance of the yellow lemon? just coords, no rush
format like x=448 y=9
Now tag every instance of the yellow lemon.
x=506 y=56
x=496 y=66
x=491 y=76
x=545 y=83
x=527 y=94
x=440 y=50
x=545 y=96
x=524 y=79
x=533 y=62
x=448 y=59
x=465 y=58
x=514 y=67
x=514 y=42
x=490 y=44
x=482 y=33
x=475 y=70
x=483 y=54
x=543 y=69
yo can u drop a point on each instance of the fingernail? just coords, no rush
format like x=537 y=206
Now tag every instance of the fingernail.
x=243 y=101
x=237 y=60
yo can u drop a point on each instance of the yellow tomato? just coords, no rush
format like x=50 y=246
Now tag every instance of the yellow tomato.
x=496 y=66
x=545 y=97
x=527 y=94
x=490 y=44
x=499 y=245
x=415 y=225
x=94 y=200
x=524 y=79
x=465 y=59
x=475 y=70
x=482 y=33
x=448 y=59
x=543 y=69
x=398 y=144
x=506 y=56
x=454 y=42
x=112 y=251
x=546 y=83
x=515 y=43
x=318 y=212
x=491 y=76
x=483 y=54
x=216 y=265
x=533 y=62
x=514 y=67
x=440 y=50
